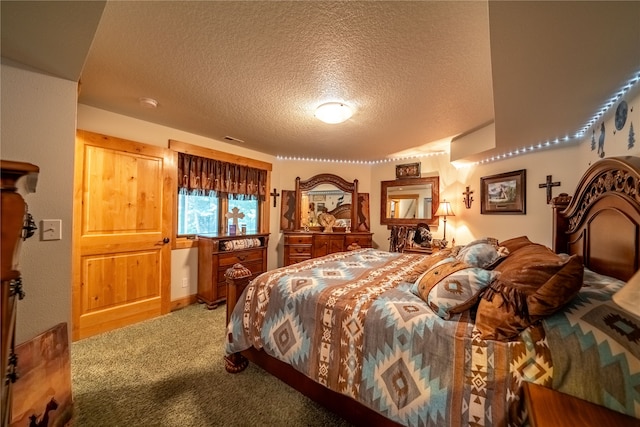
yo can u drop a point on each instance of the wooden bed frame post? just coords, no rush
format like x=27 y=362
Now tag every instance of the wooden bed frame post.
x=238 y=278
x=560 y=223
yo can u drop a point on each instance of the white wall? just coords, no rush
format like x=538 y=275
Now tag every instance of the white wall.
x=565 y=163
x=616 y=141
x=38 y=126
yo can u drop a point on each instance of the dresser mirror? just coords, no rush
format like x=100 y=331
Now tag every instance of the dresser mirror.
x=325 y=193
x=408 y=201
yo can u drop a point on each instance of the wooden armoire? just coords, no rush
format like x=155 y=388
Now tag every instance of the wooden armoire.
x=15 y=227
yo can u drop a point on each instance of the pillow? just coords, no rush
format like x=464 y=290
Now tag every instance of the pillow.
x=516 y=243
x=232 y=245
x=430 y=262
x=534 y=283
x=482 y=254
x=452 y=286
x=628 y=298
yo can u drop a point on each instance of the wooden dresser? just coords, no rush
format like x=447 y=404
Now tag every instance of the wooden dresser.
x=303 y=245
x=13 y=216
x=218 y=253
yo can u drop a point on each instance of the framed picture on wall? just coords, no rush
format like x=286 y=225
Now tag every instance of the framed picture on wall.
x=504 y=193
x=409 y=170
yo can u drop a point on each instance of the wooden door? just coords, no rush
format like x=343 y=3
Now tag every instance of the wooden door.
x=122 y=221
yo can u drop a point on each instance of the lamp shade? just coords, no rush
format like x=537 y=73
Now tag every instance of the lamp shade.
x=333 y=112
x=444 y=209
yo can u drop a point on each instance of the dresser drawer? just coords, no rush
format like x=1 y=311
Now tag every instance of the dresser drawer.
x=301 y=246
x=254 y=267
x=296 y=259
x=231 y=258
x=213 y=263
x=362 y=241
x=298 y=240
x=299 y=250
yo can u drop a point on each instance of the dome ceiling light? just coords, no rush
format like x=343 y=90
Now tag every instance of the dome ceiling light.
x=333 y=112
x=148 y=102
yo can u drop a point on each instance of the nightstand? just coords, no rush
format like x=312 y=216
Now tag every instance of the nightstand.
x=419 y=250
x=550 y=408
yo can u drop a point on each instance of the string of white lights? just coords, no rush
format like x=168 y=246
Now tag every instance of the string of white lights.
x=576 y=138
x=359 y=162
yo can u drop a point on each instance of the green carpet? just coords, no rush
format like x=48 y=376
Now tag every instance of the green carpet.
x=169 y=371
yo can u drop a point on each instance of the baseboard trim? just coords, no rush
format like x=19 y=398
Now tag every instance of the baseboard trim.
x=183 y=302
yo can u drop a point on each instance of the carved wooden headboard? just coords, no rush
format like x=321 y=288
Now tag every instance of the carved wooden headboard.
x=601 y=222
x=342 y=212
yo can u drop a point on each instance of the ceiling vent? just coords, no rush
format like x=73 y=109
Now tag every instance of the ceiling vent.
x=230 y=138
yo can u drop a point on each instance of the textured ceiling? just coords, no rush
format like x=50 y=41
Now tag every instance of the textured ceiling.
x=417 y=73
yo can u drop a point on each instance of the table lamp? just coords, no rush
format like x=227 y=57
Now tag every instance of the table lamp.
x=444 y=210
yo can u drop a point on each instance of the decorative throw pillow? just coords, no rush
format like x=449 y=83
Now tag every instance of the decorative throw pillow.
x=482 y=254
x=430 y=262
x=534 y=283
x=231 y=245
x=516 y=243
x=628 y=297
x=452 y=286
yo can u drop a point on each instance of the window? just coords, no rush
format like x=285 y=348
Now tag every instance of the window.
x=208 y=192
x=199 y=214
x=250 y=210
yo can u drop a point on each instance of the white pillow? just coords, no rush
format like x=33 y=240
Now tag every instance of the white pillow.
x=628 y=298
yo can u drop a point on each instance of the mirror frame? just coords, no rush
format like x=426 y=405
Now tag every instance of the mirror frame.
x=326 y=178
x=435 y=193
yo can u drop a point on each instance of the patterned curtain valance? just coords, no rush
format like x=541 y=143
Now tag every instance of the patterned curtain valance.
x=213 y=177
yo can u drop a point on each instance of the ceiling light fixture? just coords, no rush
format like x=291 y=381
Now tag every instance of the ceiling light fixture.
x=148 y=102
x=333 y=112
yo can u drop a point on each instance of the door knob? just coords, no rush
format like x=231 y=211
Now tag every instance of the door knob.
x=166 y=240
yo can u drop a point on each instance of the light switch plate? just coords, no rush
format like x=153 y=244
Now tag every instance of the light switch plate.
x=51 y=229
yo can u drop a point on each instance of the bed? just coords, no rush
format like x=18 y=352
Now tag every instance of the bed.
x=448 y=339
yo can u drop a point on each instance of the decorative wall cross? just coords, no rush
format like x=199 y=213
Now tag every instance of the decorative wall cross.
x=467 y=198
x=234 y=215
x=548 y=185
x=275 y=194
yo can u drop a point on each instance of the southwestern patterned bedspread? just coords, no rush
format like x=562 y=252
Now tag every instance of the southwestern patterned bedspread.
x=595 y=347
x=351 y=322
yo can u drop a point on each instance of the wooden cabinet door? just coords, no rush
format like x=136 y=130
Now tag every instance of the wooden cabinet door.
x=122 y=222
x=321 y=245
x=337 y=244
x=325 y=244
